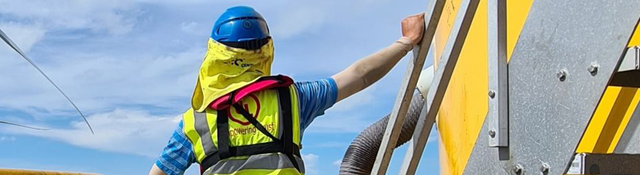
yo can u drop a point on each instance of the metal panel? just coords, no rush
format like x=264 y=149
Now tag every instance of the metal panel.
x=629 y=69
x=498 y=115
x=439 y=85
x=630 y=140
x=631 y=60
x=553 y=90
x=392 y=132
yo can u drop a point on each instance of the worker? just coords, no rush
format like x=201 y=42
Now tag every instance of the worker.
x=245 y=121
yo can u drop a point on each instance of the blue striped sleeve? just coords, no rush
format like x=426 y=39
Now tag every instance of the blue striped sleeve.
x=314 y=98
x=178 y=155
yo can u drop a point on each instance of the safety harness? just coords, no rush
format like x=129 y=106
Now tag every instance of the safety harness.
x=283 y=145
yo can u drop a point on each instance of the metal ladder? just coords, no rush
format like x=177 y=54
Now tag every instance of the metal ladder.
x=436 y=93
x=496 y=132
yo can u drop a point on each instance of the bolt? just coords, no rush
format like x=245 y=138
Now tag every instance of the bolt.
x=544 y=168
x=492 y=94
x=492 y=133
x=518 y=169
x=593 y=68
x=562 y=74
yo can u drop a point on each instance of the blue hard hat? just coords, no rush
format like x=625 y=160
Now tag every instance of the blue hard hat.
x=240 y=24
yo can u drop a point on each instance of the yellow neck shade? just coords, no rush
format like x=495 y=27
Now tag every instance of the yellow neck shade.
x=226 y=69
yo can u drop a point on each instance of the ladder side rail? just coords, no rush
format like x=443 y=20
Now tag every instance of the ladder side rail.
x=439 y=85
x=396 y=120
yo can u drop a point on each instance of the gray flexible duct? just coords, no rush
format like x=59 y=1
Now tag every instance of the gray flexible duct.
x=362 y=152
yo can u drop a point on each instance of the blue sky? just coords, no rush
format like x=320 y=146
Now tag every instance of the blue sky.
x=131 y=66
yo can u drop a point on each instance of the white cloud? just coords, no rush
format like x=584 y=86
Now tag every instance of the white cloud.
x=114 y=17
x=297 y=21
x=310 y=163
x=7 y=138
x=340 y=123
x=102 y=83
x=433 y=136
x=337 y=163
x=125 y=131
x=362 y=98
x=192 y=28
x=22 y=35
x=330 y=144
x=351 y=114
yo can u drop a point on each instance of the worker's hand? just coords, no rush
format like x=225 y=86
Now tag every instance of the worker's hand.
x=413 y=28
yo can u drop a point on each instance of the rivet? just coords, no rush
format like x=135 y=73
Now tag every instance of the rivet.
x=593 y=68
x=544 y=168
x=492 y=133
x=492 y=94
x=562 y=74
x=518 y=169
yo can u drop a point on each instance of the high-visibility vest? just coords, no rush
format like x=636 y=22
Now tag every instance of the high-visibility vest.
x=257 y=134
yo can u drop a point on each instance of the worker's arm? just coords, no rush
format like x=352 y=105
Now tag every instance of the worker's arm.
x=370 y=69
x=156 y=171
x=176 y=156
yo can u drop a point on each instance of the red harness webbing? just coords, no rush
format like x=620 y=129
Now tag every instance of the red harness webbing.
x=261 y=84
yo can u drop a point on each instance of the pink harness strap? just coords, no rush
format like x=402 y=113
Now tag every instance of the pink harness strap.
x=263 y=83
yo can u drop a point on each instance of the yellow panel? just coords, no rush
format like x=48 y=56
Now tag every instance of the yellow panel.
x=444 y=158
x=614 y=122
x=611 y=116
x=627 y=116
x=635 y=38
x=596 y=124
x=462 y=112
x=465 y=104
x=444 y=27
x=609 y=121
x=517 y=12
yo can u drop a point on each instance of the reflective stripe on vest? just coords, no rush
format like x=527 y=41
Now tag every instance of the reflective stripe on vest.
x=201 y=130
x=260 y=162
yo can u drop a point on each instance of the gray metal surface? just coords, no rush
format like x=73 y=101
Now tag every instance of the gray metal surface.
x=548 y=110
x=498 y=114
x=628 y=74
x=630 y=140
x=631 y=60
x=396 y=118
x=446 y=65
